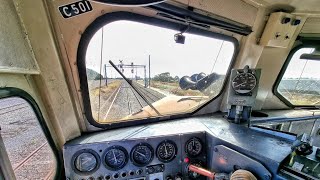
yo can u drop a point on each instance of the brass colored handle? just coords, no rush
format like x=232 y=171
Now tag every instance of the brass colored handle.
x=201 y=171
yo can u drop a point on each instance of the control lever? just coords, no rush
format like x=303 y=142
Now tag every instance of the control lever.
x=201 y=171
x=238 y=174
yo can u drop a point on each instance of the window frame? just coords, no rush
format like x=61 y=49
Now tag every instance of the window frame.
x=9 y=92
x=129 y=16
x=308 y=44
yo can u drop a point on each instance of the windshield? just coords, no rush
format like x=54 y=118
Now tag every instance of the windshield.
x=165 y=76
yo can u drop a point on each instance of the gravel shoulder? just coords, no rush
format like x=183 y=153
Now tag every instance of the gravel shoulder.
x=22 y=135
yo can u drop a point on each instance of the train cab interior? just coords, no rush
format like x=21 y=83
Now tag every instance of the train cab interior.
x=159 y=89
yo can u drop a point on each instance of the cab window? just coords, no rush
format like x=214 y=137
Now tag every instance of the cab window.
x=164 y=70
x=300 y=83
x=29 y=152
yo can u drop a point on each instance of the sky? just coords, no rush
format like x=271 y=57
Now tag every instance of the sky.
x=301 y=67
x=134 y=42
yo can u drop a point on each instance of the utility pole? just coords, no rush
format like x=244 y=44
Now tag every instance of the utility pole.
x=136 y=74
x=149 y=73
x=145 y=77
x=105 y=74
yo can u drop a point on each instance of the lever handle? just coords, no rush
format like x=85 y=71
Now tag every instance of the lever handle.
x=201 y=171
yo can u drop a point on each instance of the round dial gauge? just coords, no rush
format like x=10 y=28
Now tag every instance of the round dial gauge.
x=116 y=157
x=86 y=162
x=166 y=151
x=193 y=147
x=244 y=83
x=142 y=154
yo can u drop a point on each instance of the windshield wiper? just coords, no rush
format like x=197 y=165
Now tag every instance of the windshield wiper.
x=133 y=87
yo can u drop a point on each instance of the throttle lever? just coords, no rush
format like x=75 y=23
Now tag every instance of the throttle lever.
x=201 y=171
x=238 y=174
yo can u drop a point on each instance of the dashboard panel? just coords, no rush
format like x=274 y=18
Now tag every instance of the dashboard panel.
x=152 y=158
x=164 y=150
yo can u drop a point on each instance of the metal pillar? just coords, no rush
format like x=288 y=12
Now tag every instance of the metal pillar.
x=136 y=74
x=149 y=73
x=145 y=77
x=105 y=74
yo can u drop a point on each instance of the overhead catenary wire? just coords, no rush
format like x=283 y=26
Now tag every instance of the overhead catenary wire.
x=217 y=57
x=304 y=66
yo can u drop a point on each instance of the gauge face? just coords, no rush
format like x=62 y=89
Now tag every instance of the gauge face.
x=116 y=157
x=244 y=83
x=166 y=151
x=193 y=147
x=85 y=162
x=142 y=154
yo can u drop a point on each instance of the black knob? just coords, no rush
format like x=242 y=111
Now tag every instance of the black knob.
x=285 y=20
x=115 y=175
x=139 y=171
x=150 y=170
x=296 y=22
x=123 y=174
x=131 y=173
x=107 y=177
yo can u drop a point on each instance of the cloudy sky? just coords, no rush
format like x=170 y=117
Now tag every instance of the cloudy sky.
x=134 y=42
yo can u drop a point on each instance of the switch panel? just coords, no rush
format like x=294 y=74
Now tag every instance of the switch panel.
x=280 y=29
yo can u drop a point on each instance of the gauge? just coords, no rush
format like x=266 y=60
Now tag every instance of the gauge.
x=193 y=147
x=116 y=157
x=142 y=154
x=166 y=151
x=244 y=83
x=86 y=161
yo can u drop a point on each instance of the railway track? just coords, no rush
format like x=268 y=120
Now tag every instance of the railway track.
x=122 y=102
x=125 y=101
x=34 y=156
x=28 y=151
x=14 y=107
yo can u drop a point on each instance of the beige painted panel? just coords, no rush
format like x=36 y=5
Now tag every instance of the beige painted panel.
x=15 y=53
x=277 y=34
x=250 y=51
x=299 y=5
x=271 y=62
x=269 y=59
x=236 y=10
x=51 y=83
x=311 y=26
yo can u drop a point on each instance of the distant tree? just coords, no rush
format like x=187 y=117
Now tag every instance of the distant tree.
x=93 y=75
x=176 y=78
x=164 y=77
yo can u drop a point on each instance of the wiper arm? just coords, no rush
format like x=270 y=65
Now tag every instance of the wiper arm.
x=133 y=87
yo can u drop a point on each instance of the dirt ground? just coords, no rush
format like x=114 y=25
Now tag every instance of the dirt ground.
x=22 y=135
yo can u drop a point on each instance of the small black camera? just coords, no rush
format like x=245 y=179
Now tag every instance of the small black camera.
x=179 y=38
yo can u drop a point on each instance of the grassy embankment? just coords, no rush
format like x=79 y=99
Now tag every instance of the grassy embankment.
x=105 y=93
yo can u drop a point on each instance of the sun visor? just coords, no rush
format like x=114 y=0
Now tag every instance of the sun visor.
x=189 y=17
